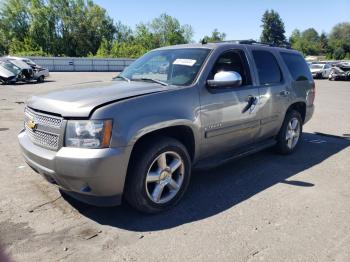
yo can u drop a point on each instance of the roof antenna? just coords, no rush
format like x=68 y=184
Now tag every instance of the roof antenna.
x=204 y=41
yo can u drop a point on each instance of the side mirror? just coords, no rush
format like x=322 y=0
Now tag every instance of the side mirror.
x=225 y=79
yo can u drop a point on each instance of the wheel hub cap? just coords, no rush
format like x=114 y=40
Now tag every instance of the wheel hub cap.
x=165 y=177
x=293 y=133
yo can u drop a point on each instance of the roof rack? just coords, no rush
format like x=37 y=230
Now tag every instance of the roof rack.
x=253 y=42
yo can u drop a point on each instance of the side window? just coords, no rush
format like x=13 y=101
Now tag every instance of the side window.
x=233 y=61
x=297 y=66
x=268 y=69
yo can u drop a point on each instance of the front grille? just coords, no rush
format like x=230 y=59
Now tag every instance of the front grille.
x=43 y=138
x=47 y=130
x=45 y=120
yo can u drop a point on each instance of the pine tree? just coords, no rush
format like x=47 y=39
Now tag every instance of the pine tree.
x=273 y=28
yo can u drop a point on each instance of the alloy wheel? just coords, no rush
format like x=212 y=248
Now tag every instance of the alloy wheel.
x=165 y=177
x=293 y=133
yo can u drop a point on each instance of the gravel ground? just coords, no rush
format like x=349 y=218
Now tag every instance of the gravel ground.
x=263 y=207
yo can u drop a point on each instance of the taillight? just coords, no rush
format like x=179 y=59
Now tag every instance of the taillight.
x=312 y=93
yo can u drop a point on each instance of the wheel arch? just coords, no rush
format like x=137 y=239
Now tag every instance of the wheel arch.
x=300 y=107
x=181 y=132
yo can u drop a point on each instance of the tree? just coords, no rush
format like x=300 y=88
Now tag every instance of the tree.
x=339 y=53
x=216 y=36
x=144 y=37
x=104 y=49
x=273 y=28
x=324 y=47
x=339 y=40
x=310 y=35
x=168 y=31
x=295 y=37
x=308 y=42
x=14 y=22
x=58 y=27
x=162 y=31
x=123 y=33
x=27 y=47
x=127 y=50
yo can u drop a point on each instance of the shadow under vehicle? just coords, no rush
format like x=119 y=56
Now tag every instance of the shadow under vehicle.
x=214 y=191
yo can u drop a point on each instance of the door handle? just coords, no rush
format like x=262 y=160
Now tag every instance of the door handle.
x=284 y=93
x=251 y=101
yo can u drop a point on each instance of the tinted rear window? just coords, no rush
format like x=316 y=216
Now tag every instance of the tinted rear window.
x=268 y=68
x=297 y=66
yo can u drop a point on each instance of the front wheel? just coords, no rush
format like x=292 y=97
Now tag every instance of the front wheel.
x=290 y=133
x=41 y=79
x=158 y=176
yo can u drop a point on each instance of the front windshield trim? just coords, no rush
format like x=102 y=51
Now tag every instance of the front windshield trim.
x=151 y=79
x=197 y=74
x=122 y=77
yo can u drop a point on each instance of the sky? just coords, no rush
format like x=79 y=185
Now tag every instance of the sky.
x=238 y=19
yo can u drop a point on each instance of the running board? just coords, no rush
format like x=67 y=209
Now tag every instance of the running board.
x=237 y=154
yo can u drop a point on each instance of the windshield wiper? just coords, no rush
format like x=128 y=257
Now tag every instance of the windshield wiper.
x=122 y=77
x=153 y=80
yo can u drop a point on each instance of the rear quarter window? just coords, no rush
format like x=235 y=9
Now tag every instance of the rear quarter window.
x=297 y=66
x=268 y=69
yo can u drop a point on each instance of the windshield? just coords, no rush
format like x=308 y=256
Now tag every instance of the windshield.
x=29 y=62
x=171 y=66
x=10 y=67
x=316 y=66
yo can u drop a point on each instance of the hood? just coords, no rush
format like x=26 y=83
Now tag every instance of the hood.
x=80 y=100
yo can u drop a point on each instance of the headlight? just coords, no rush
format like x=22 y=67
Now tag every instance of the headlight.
x=88 y=133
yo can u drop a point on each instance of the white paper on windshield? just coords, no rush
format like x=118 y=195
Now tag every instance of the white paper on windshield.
x=185 y=62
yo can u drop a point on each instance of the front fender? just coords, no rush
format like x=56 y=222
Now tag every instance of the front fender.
x=139 y=130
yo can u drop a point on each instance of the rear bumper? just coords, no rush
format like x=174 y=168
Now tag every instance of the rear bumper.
x=309 y=113
x=86 y=174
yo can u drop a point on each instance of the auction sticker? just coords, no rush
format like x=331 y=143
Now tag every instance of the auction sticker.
x=185 y=62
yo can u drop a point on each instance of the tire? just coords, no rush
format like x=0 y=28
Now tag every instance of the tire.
x=41 y=79
x=150 y=190
x=290 y=133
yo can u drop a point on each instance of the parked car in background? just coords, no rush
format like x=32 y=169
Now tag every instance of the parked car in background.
x=340 y=71
x=15 y=71
x=320 y=70
x=40 y=73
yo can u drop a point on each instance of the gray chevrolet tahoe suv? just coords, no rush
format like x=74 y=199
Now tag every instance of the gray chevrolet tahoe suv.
x=138 y=136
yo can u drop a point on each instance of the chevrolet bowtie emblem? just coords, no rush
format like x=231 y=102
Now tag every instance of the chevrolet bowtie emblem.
x=31 y=124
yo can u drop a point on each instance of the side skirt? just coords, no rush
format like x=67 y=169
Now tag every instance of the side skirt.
x=235 y=154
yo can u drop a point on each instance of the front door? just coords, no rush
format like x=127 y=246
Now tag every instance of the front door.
x=228 y=122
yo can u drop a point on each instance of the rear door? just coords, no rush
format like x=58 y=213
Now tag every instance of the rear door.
x=274 y=91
